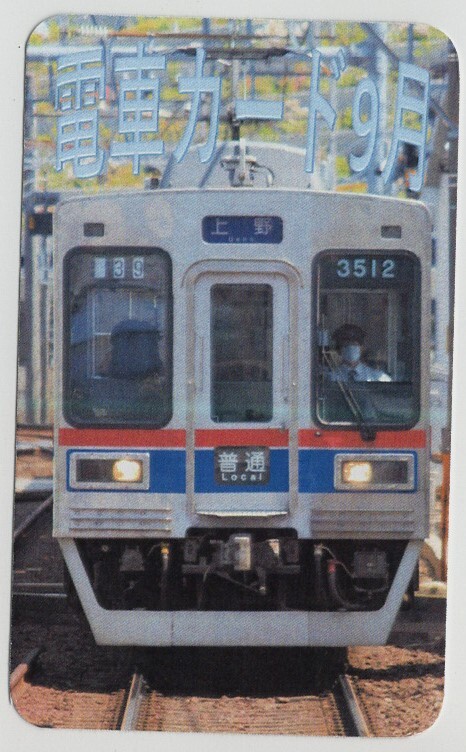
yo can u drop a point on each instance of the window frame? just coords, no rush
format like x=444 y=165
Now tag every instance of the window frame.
x=416 y=338
x=109 y=251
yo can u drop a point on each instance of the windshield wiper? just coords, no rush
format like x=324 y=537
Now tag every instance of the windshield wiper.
x=368 y=432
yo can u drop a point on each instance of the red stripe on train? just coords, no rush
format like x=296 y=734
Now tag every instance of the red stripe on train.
x=271 y=437
x=314 y=438
x=205 y=438
x=126 y=437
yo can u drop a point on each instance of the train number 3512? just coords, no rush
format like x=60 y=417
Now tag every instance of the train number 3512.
x=366 y=267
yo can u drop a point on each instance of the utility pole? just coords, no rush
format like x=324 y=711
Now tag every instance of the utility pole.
x=378 y=71
x=452 y=173
x=27 y=253
x=452 y=170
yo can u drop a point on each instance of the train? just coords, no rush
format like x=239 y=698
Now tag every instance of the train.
x=242 y=409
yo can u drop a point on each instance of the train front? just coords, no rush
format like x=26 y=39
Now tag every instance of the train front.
x=242 y=413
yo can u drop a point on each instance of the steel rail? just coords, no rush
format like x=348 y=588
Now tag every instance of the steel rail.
x=133 y=703
x=19 y=673
x=353 y=706
x=26 y=524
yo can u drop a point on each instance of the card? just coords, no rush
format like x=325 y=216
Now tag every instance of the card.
x=234 y=386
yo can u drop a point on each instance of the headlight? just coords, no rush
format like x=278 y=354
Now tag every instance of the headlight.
x=356 y=472
x=127 y=471
x=374 y=472
x=109 y=470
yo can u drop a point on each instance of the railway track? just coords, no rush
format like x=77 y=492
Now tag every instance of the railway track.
x=143 y=707
x=354 y=707
x=18 y=675
x=37 y=564
x=27 y=520
x=334 y=712
x=44 y=705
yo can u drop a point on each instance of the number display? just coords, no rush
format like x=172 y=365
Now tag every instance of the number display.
x=119 y=267
x=368 y=270
x=360 y=268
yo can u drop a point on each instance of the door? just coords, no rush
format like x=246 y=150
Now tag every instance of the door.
x=239 y=432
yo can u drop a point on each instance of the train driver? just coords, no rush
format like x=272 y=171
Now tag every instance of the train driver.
x=349 y=341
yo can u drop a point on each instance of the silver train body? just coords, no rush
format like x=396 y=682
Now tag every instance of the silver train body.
x=218 y=481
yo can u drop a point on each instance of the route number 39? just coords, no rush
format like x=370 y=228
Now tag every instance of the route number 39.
x=365 y=267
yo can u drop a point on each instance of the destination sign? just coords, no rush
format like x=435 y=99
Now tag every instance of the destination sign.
x=242 y=229
x=242 y=465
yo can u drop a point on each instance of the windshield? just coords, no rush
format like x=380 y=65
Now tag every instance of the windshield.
x=118 y=337
x=367 y=339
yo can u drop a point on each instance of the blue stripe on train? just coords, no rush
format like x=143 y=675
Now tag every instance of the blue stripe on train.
x=315 y=473
x=167 y=470
x=204 y=475
x=316 y=469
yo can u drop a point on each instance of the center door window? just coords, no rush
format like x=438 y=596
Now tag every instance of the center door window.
x=241 y=353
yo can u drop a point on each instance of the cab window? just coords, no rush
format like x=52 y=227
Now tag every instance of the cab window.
x=368 y=339
x=118 y=336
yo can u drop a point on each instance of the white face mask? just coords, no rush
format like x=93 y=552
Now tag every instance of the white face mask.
x=351 y=353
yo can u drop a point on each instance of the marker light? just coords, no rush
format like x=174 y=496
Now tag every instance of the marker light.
x=127 y=471
x=356 y=472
